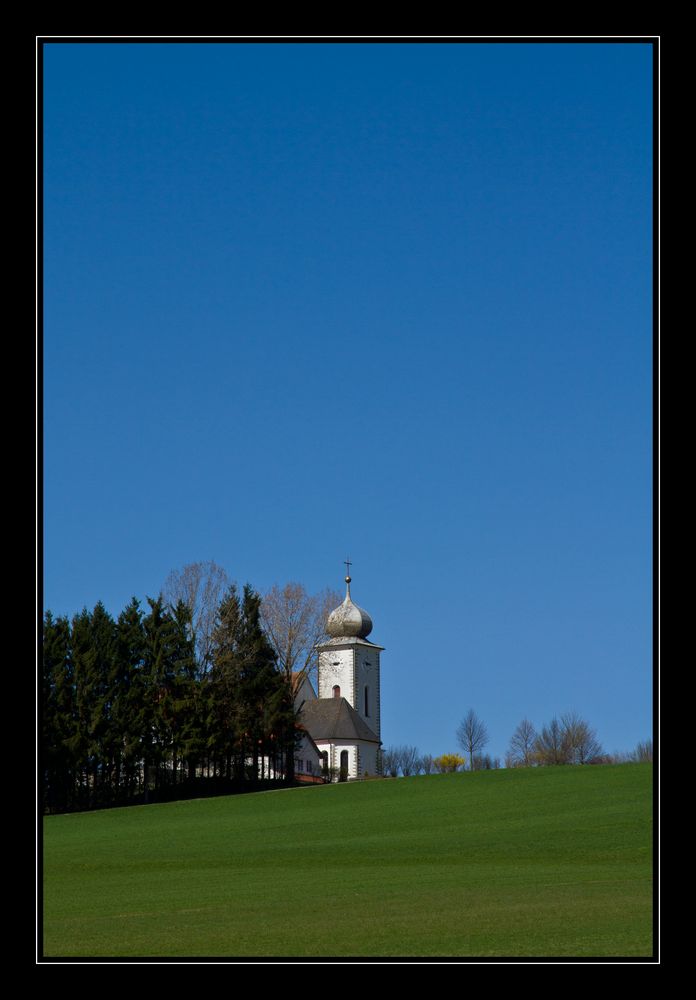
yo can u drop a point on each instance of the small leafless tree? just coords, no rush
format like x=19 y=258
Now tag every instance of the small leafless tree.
x=521 y=749
x=409 y=760
x=390 y=762
x=643 y=753
x=580 y=739
x=427 y=763
x=472 y=735
x=295 y=623
x=550 y=746
x=486 y=763
x=404 y=759
x=201 y=586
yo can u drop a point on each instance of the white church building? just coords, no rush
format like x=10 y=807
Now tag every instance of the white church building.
x=341 y=720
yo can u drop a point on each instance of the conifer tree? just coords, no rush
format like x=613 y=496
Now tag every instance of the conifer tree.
x=268 y=715
x=157 y=683
x=252 y=719
x=102 y=669
x=91 y=741
x=57 y=713
x=180 y=701
x=255 y=660
x=225 y=738
x=128 y=708
x=79 y=739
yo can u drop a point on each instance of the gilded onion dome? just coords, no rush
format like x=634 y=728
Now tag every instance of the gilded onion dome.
x=348 y=620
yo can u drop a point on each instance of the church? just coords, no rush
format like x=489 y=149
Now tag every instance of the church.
x=340 y=722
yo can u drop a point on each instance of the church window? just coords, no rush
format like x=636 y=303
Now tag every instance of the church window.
x=310 y=767
x=367 y=701
x=343 y=774
x=299 y=765
x=336 y=691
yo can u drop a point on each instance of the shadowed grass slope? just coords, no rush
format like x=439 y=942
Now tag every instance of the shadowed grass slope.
x=529 y=862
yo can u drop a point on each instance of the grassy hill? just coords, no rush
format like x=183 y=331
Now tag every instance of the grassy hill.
x=540 y=862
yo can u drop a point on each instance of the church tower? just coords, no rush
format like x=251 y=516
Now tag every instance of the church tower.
x=348 y=678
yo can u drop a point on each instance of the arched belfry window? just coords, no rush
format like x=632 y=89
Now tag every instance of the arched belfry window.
x=367 y=701
x=336 y=691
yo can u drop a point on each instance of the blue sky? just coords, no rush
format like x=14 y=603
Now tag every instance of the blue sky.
x=392 y=301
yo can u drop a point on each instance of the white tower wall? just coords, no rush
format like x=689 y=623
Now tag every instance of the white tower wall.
x=336 y=667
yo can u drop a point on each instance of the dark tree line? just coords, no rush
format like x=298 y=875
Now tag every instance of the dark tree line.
x=128 y=711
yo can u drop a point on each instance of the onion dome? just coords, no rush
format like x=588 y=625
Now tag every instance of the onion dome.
x=348 y=621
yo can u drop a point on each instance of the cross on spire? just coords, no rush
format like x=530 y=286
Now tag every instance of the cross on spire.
x=348 y=564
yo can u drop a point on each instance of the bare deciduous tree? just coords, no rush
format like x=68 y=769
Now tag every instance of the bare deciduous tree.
x=521 y=750
x=550 y=746
x=390 y=762
x=486 y=763
x=570 y=741
x=472 y=735
x=643 y=753
x=404 y=759
x=409 y=760
x=201 y=586
x=580 y=739
x=427 y=764
x=295 y=623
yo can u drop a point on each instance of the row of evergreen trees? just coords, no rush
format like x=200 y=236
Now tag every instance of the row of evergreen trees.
x=127 y=709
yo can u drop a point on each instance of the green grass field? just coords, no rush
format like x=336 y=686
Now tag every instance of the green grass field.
x=542 y=862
